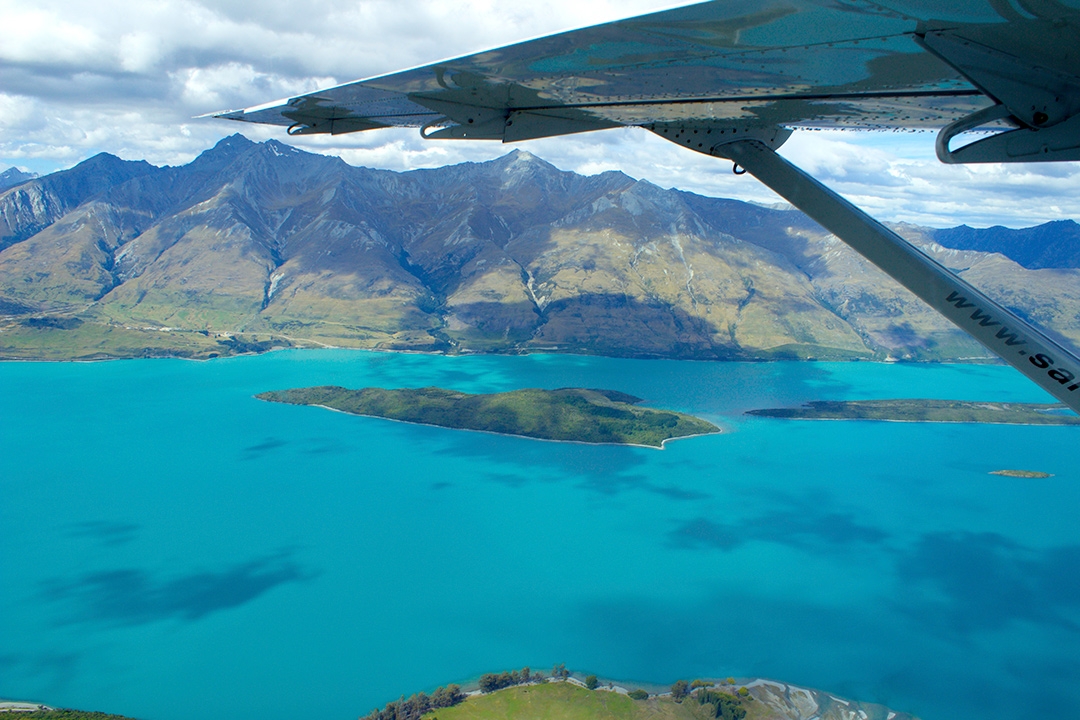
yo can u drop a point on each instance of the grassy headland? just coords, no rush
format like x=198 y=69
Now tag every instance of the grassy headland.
x=560 y=698
x=951 y=411
x=567 y=414
x=567 y=701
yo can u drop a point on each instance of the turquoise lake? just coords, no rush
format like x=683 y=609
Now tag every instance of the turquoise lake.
x=173 y=548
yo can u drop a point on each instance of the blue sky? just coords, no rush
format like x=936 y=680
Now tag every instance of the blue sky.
x=128 y=77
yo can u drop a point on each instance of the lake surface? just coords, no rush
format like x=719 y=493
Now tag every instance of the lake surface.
x=173 y=548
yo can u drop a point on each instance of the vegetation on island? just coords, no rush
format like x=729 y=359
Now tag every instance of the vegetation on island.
x=951 y=411
x=724 y=706
x=567 y=697
x=554 y=701
x=567 y=414
x=490 y=682
x=415 y=706
x=527 y=695
x=563 y=698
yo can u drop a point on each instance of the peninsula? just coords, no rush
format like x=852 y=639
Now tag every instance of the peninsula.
x=528 y=695
x=566 y=414
x=942 y=411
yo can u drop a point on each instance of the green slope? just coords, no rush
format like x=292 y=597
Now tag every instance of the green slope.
x=566 y=701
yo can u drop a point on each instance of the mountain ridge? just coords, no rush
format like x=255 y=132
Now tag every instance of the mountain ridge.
x=14 y=176
x=1055 y=244
x=277 y=246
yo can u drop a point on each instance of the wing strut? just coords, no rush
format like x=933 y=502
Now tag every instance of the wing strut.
x=1015 y=341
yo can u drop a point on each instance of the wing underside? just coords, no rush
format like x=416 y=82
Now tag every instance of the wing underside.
x=794 y=63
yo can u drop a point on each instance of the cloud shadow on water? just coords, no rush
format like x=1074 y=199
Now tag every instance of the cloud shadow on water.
x=308 y=446
x=135 y=597
x=806 y=524
x=55 y=671
x=849 y=647
x=965 y=582
x=270 y=443
x=112 y=534
x=604 y=469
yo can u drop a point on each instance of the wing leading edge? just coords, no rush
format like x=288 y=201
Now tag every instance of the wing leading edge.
x=797 y=63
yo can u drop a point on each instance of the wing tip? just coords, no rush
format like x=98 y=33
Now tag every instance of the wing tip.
x=241 y=114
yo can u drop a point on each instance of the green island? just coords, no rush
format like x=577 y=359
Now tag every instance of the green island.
x=916 y=410
x=566 y=414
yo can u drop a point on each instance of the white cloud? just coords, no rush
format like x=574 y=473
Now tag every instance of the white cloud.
x=19 y=113
x=217 y=86
x=139 y=51
x=38 y=35
x=126 y=77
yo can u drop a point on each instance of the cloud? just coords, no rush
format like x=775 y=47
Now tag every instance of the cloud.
x=42 y=36
x=19 y=113
x=217 y=86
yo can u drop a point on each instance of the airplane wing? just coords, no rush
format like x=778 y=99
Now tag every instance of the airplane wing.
x=799 y=63
x=734 y=78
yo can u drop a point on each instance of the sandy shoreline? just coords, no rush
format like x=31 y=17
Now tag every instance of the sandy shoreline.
x=17 y=706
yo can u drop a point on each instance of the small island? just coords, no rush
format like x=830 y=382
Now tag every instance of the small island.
x=566 y=414
x=1027 y=474
x=922 y=410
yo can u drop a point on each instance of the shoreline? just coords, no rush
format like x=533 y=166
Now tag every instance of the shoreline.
x=720 y=431
x=766 y=690
x=17 y=707
x=894 y=420
x=780 y=697
x=524 y=352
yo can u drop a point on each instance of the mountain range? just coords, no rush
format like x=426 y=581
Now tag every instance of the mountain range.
x=257 y=245
x=14 y=176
